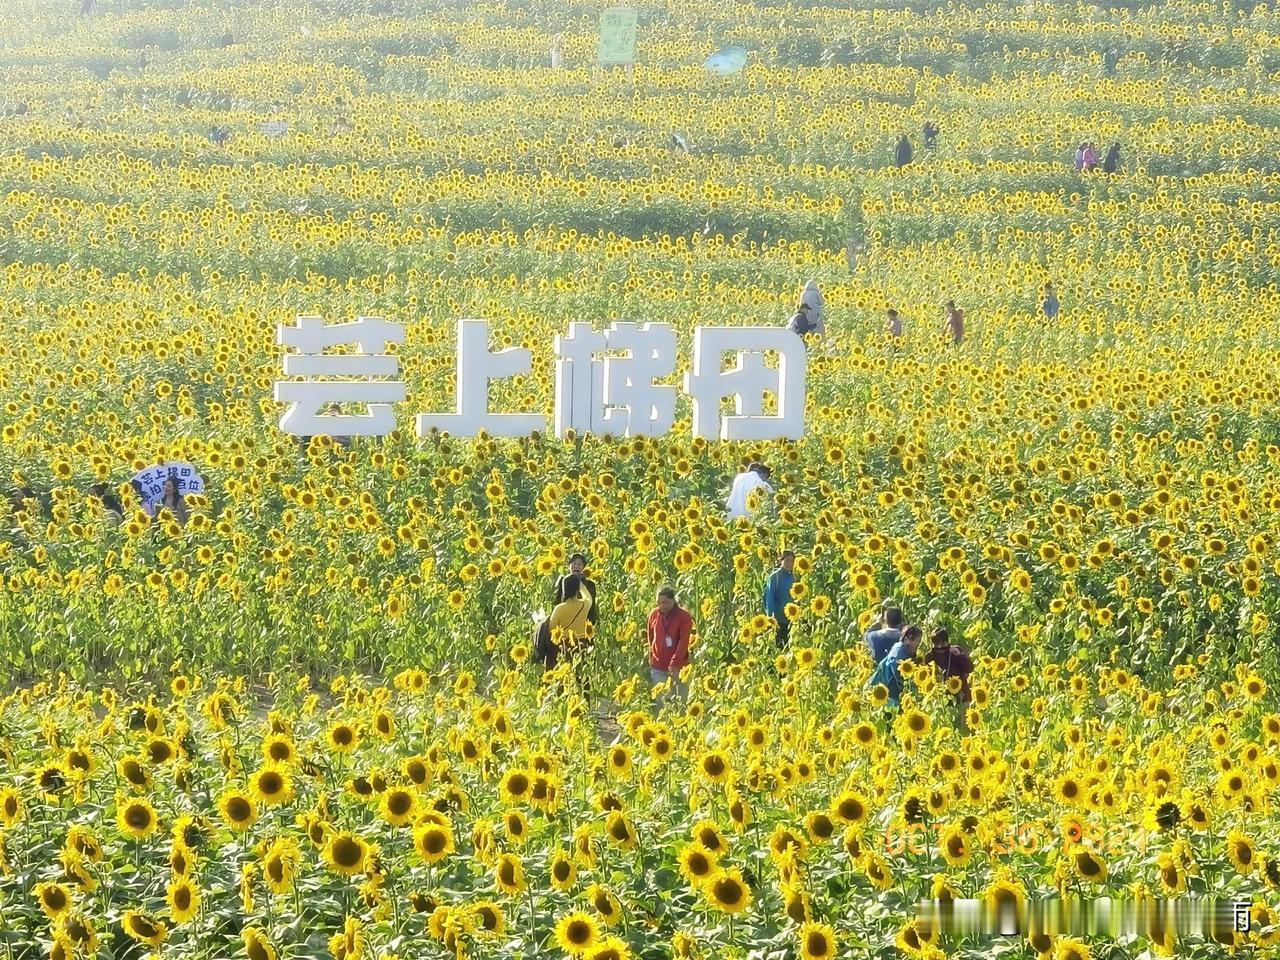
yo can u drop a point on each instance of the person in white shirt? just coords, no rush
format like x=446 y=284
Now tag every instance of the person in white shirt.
x=811 y=300
x=744 y=484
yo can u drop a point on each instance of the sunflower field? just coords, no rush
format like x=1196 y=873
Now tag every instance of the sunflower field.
x=305 y=721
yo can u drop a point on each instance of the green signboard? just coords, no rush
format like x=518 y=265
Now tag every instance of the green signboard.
x=618 y=35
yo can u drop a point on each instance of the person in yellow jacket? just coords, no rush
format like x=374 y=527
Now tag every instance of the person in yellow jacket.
x=570 y=625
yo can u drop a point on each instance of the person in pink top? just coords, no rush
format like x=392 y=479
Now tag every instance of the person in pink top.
x=670 y=627
x=955 y=322
x=1090 y=157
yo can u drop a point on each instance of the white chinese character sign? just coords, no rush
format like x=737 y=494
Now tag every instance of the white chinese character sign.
x=747 y=382
x=349 y=378
x=606 y=381
x=477 y=366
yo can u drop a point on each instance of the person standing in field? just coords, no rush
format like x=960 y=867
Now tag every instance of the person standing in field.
x=669 y=630
x=578 y=568
x=887 y=674
x=955 y=322
x=570 y=629
x=811 y=300
x=744 y=484
x=1111 y=162
x=1049 y=302
x=777 y=594
x=902 y=151
x=884 y=633
x=893 y=324
x=951 y=660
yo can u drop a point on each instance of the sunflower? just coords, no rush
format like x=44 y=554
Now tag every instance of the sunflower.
x=161 y=750
x=433 y=842
x=489 y=917
x=715 y=766
x=1069 y=949
x=349 y=942
x=517 y=826
x=878 y=872
x=80 y=931
x=727 y=891
x=343 y=737
x=143 y=928
x=619 y=829
x=51 y=779
x=563 y=871
x=134 y=770
x=11 y=807
x=697 y=863
x=785 y=841
x=820 y=826
x=850 y=807
x=54 y=899
x=398 y=806
x=508 y=874
x=257 y=946
x=796 y=904
x=1162 y=815
x=272 y=786
x=238 y=809
x=619 y=760
x=955 y=846
x=610 y=948
x=605 y=903
x=137 y=818
x=576 y=933
x=514 y=786
x=708 y=833
x=279 y=749
x=184 y=900
x=1242 y=853
x=346 y=854
x=1173 y=878
x=1089 y=866
x=280 y=865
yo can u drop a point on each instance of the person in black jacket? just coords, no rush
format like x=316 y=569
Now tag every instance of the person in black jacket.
x=577 y=568
x=902 y=151
x=1111 y=162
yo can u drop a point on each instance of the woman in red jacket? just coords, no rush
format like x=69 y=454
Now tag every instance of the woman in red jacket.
x=670 y=627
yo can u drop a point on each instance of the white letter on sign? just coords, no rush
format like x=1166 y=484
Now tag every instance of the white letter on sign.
x=477 y=366
x=311 y=336
x=707 y=384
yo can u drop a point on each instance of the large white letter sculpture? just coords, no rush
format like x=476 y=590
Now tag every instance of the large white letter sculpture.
x=310 y=337
x=707 y=384
x=477 y=365
x=617 y=395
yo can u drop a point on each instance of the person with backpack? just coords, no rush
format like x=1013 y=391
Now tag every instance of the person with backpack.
x=568 y=630
x=577 y=568
x=801 y=324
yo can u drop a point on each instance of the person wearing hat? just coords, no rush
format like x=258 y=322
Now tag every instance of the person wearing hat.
x=951 y=660
x=578 y=568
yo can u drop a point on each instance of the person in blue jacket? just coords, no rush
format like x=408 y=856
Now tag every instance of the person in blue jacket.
x=887 y=674
x=884 y=633
x=777 y=594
